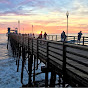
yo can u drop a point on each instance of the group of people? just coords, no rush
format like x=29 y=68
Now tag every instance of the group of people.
x=63 y=36
x=32 y=35
x=40 y=35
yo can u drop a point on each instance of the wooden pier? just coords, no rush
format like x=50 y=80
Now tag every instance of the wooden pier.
x=69 y=61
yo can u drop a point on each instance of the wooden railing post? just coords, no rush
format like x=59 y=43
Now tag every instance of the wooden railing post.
x=64 y=63
x=83 y=40
x=47 y=65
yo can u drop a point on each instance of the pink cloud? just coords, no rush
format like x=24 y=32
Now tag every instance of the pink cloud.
x=5 y=1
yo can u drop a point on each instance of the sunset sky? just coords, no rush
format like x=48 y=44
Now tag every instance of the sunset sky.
x=44 y=15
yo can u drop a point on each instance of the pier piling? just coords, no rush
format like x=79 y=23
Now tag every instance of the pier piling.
x=53 y=79
x=23 y=61
x=34 y=70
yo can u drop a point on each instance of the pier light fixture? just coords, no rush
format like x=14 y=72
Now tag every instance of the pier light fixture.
x=67 y=14
x=32 y=30
x=19 y=25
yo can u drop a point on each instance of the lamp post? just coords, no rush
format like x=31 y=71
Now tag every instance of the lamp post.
x=32 y=30
x=23 y=30
x=19 y=25
x=67 y=14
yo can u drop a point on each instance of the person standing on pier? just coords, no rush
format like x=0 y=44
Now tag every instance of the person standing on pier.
x=40 y=35
x=33 y=35
x=45 y=34
x=63 y=36
x=79 y=36
x=30 y=35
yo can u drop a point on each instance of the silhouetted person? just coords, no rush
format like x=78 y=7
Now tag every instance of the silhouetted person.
x=45 y=34
x=79 y=36
x=63 y=36
x=33 y=35
x=30 y=35
x=40 y=35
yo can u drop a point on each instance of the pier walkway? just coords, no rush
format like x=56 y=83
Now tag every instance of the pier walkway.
x=69 y=61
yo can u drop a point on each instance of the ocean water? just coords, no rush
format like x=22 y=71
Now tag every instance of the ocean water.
x=9 y=77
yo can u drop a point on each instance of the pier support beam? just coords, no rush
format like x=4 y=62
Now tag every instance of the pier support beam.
x=53 y=79
x=19 y=54
x=23 y=61
x=46 y=79
x=16 y=55
x=34 y=71
x=59 y=80
x=30 y=61
x=17 y=62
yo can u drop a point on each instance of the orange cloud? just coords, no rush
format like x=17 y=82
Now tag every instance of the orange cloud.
x=44 y=23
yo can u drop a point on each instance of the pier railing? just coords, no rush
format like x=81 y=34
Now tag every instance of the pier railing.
x=68 y=60
x=70 y=39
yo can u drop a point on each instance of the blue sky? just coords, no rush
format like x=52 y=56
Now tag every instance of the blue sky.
x=43 y=6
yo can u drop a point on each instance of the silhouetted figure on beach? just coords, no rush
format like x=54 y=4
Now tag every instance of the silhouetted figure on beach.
x=79 y=36
x=45 y=34
x=63 y=36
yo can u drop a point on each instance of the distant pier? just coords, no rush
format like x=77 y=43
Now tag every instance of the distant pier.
x=69 y=61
